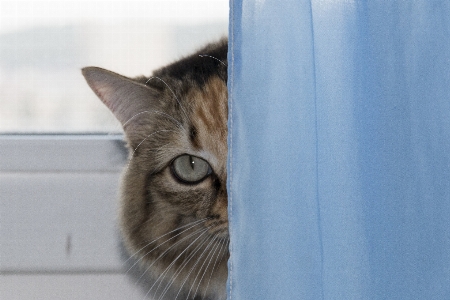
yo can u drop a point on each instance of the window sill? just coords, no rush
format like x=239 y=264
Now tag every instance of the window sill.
x=58 y=203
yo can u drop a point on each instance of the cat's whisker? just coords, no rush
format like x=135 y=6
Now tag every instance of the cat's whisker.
x=213 y=252
x=178 y=100
x=158 y=131
x=165 y=252
x=153 y=133
x=201 y=231
x=190 y=226
x=204 y=55
x=181 y=267
x=193 y=242
x=210 y=252
x=149 y=253
x=155 y=112
x=193 y=267
x=185 y=228
x=222 y=247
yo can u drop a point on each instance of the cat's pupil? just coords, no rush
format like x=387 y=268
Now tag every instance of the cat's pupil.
x=192 y=161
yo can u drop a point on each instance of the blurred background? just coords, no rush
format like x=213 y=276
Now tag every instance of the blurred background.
x=44 y=44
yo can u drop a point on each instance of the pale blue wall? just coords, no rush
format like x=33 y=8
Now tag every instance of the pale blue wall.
x=339 y=149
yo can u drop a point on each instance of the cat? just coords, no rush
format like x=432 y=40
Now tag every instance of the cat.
x=174 y=218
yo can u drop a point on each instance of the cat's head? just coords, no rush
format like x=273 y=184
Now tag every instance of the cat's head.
x=173 y=198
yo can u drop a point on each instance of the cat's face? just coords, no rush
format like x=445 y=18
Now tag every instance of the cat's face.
x=174 y=200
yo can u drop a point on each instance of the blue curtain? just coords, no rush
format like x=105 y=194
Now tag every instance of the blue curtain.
x=339 y=149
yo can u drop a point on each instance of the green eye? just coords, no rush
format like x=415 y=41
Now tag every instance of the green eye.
x=190 y=169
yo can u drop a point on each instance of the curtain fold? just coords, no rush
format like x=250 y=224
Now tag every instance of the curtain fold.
x=339 y=149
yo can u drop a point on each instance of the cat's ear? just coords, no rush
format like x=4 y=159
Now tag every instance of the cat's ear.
x=125 y=97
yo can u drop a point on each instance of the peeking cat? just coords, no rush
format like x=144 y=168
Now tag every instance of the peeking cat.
x=174 y=217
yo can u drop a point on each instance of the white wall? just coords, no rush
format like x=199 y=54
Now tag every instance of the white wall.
x=58 y=234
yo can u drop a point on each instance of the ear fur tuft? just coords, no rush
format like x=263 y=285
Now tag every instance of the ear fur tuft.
x=122 y=95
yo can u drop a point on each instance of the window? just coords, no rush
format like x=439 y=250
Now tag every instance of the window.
x=44 y=44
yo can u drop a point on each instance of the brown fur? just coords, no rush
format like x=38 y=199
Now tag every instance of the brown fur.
x=159 y=127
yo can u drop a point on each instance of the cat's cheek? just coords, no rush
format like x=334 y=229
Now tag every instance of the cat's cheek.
x=164 y=189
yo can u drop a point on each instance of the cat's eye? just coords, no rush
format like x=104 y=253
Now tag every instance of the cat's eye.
x=190 y=169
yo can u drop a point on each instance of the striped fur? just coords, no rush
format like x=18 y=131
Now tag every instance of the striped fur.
x=178 y=232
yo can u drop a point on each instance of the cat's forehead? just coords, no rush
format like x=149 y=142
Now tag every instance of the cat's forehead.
x=209 y=115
